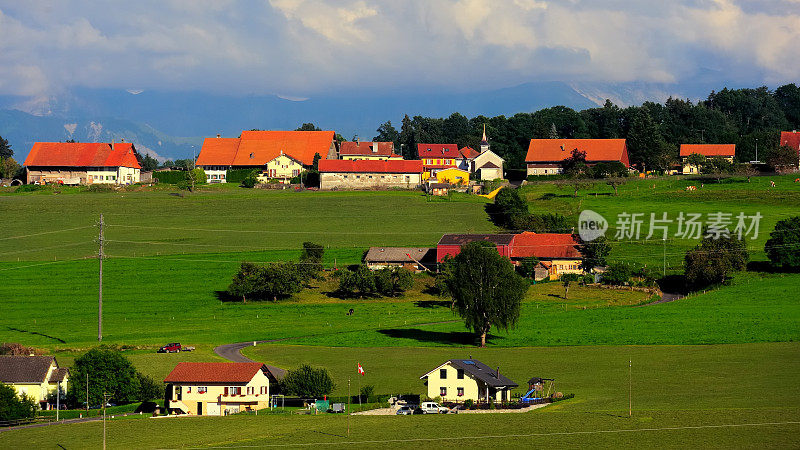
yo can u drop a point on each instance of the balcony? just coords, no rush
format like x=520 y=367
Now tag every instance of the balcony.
x=243 y=398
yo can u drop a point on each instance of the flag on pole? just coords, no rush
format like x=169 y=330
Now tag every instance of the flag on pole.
x=360 y=369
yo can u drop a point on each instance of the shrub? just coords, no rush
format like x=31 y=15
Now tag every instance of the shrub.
x=170 y=176
x=12 y=407
x=100 y=188
x=149 y=389
x=308 y=382
x=617 y=274
x=356 y=283
x=392 y=282
x=469 y=403
x=109 y=372
x=250 y=181
x=29 y=188
x=783 y=246
x=239 y=175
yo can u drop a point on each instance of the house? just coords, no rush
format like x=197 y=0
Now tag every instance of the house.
x=450 y=244
x=438 y=189
x=451 y=175
x=727 y=151
x=412 y=258
x=557 y=253
x=486 y=164
x=436 y=157
x=791 y=139
x=220 y=388
x=82 y=163
x=370 y=174
x=38 y=377
x=458 y=380
x=277 y=155
x=367 y=150
x=545 y=156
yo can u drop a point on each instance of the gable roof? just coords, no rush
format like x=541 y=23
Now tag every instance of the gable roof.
x=82 y=154
x=58 y=375
x=24 y=369
x=790 y=139
x=367 y=148
x=479 y=371
x=217 y=372
x=463 y=239
x=708 y=149
x=400 y=254
x=469 y=152
x=370 y=166
x=489 y=165
x=438 y=151
x=544 y=245
x=218 y=152
x=257 y=148
x=553 y=150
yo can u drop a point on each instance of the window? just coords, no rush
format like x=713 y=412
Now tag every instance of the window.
x=460 y=391
x=188 y=389
x=460 y=374
x=443 y=374
x=263 y=390
x=443 y=391
x=251 y=390
x=202 y=389
x=233 y=390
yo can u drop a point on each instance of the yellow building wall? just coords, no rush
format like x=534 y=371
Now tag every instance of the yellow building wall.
x=563 y=266
x=453 y=176
x=215 y=395
x=364 y=157
x=281 y=167
x=452 y=383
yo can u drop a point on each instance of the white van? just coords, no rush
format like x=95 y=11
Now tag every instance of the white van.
x=432 y=408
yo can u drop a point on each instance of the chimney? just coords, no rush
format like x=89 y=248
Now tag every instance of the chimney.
x=112 y=144
x=374 y=147
x=358 y=143
x=217 y=135
x=122 y=140
x=498 y=372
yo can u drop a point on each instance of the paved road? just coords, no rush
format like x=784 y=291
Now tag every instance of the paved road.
x=233 y=352
x=666 y=297
x=66 y=421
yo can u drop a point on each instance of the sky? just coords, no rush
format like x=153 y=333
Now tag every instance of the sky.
x=301 y=48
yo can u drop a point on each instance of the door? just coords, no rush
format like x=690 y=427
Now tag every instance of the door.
x=212 y=409
x=199 y=408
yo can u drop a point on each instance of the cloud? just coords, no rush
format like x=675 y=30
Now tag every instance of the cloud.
x=301 y=48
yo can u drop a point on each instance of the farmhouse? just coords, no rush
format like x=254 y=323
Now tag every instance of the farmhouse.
x=727 y=151
x=35 y=376
x=436 y=157
x=791 y=139
x=82 y=163
x=450 y=244
x=369 y=174
x=215 y=389
x=557 y=253
x=411 y=258
x=458 y=380
x=277 y=155
x=367 y=150
x=545 y=156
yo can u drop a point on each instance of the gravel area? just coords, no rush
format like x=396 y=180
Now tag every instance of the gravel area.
x=392 y=411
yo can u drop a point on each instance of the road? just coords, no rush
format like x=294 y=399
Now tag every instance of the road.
x=233 y=352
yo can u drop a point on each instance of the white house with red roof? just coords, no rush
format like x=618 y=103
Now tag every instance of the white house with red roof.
x=726 y=151
x=438 y=157
x=219 y=388
x=370 y=174
x=82 y=163
x=546 y=156
x=358 y=151
x=791 y=139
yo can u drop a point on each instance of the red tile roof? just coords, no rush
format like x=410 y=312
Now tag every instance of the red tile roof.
x=708 y=149
x=791 y=139
x=544 y=245
x=469 y=152
x=367 y=148
x=371 y=166
x=257 y=148
x=438 y=151
x=218 y=372
x=82 y=154
x=553 y=150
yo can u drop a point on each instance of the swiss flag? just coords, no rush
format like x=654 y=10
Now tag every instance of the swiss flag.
x=360 y=369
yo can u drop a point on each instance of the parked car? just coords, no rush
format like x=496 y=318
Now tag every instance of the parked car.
x=173 y=347
x=407 y=410
x=433 y=408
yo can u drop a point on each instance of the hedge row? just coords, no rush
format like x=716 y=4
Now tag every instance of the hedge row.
x=238 y=175
x=170 y=176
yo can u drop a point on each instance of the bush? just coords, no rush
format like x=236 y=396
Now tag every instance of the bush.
x=356 y=283
x=12 y=407
x=109 y=371
x=170 y=176
x=783 y=246
x=239 y=175
x=29 y=188
x=250 y=181
x=100 y=188
x=394 y=281
x=308 y=382
x=617 y=274
x=149 y=389
x=469 y=404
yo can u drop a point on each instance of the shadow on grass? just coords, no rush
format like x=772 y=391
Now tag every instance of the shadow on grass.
x=38 y=334
x=767 y=267
x=430 y=304
x=438 y=337
x=225 y=296
x=673 y=284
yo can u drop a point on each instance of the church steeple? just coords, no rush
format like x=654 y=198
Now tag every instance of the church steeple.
x=484 y=141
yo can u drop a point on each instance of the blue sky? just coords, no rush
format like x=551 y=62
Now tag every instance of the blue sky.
x=299 y=48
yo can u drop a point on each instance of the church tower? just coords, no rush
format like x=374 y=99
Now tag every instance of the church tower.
x=484 y=141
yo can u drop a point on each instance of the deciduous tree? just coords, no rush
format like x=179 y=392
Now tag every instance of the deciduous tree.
x=714 y=260
x=783 y=245
x=308 y=382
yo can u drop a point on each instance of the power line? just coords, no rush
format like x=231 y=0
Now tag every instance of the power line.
x=45 y=232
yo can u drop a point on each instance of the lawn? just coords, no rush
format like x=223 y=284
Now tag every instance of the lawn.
x=718 y=396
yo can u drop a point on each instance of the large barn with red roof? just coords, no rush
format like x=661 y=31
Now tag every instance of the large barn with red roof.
x=726 y=151
x=545 y=156
x=791 y=139
x=82 y=163
x=370 y=174
x=277 y=154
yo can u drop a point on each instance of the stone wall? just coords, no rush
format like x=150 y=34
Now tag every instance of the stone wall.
x=336 y=180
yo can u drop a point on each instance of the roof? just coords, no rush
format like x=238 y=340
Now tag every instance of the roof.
x=462 y=239
x=480 y=371
x=708 y=149
x=24 y=369
x=489 y=165
x=218 y=152
x=367 y=148
x=438 y=186
x=790 y=139
x=257 y=148
x=217 y=372
x=398 y=254
x=551 y=150
x=469 y=152
x=58 y=375
x=438 y=151
x=371 y=166
x=544 y=245
x=82 y=154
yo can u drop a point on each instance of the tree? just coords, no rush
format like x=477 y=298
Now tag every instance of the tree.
x=356 y=283
x=486 y=290
x=527 y=267
x=5 y=148
x=149 y=389
x=387 y=133
x=697 y=160
x=553 y=132
x=109 y=372
x=717 y=166
x=193 y=178
x=266 y=282
x=308 y=127
x=508 y=205
x=575 y=165
x=8 y=167
x=783 y=245
x=408 y=145
x=713 y=260
x=594 y=253
x=147 y=162
x=12 y=407
x=566 y=280
x=782 y=158
x=617 y=274
x=644 y=139
x=308 y=382
x=311 y=259
x=391 y=282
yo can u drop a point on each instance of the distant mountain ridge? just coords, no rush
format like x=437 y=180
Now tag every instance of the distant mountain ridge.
x=167 y=124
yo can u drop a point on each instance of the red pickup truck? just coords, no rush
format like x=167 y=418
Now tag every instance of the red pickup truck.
x=173 y=347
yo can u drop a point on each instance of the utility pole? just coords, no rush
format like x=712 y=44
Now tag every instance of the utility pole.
x=348 y=406
x=756 y=149
x=664 y=240
x=630 y=388
x=106 y=397
x=87 y=392
x=58 y=397
x=100 y=288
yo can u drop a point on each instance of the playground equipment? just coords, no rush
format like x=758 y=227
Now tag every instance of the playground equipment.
x=536 y=390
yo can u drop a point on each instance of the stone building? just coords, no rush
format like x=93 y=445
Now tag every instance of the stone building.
x=372 y=174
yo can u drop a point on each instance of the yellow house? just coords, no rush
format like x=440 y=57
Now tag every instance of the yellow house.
x=725 y=151
x=281 y=167
x=37 y=377
x=458 y=380
x=452 y=176
x=217 y=389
